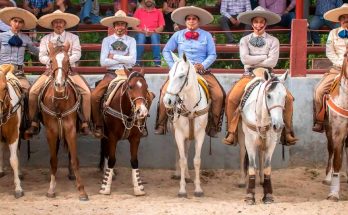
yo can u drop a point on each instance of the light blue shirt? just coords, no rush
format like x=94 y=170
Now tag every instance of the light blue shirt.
x=201 y=51
x=125 y=58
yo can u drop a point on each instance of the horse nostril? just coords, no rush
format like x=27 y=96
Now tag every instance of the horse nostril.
x=274 y=127
x=169 y=102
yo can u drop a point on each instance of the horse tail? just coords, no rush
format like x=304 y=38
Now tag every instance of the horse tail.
x=103 y=153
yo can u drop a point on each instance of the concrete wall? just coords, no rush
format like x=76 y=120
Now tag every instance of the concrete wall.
x=159 y=151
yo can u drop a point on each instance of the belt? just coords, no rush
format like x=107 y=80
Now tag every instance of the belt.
x=117 y=71
x=18 y=67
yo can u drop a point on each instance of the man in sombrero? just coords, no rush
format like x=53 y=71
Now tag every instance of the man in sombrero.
x=336 y=48
x=118 y=51
x=58 y=22
x=199 y=48
x=13 y=42
x=258 y=49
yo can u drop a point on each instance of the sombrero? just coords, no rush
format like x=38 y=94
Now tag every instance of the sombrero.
x=247 y=16
x=334 y=14
x=70 y=19
x=120 y=16
x=179 y=15
x=8 y=13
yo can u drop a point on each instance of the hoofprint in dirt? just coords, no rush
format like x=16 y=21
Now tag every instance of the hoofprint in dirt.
x=298 y=191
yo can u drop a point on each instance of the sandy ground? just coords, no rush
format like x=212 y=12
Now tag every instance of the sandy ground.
x=296 y=190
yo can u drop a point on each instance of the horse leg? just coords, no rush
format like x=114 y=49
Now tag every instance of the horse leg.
x=2 y=173
x=346 y=151
x=261 y=165
x=70 y=138
x=15 y=165
x=137 y=182
x=71 y=175
x=197 y=163
x=182 y=161
x=110 y=148
x=52 y=140
x=242 y=154
x=328 y=172
x=251 y=149
x=176 y=175
x=266 y=163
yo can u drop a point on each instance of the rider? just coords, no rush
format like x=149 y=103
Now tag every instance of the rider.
x=13 y=42
x=59 y=21
x=199 y=47
x=118 y=51
x=336 y=48
x=257 y=49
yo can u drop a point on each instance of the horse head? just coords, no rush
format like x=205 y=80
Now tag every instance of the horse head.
x=274 y=94
x=60 y=65
x=137 y=90
x=181 y=77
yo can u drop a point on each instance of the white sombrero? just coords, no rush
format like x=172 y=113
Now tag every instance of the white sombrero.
x=179 y=15
x=120 y=16
x=8 y=13
x=70 y=19
x=247 y=16
x=334 y=14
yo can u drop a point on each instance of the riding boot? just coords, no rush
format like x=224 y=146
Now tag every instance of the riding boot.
x=34 y=129
x=85 y=129
x=289 y=133
x=318 y=118
x=98 y=132
x=161 y=119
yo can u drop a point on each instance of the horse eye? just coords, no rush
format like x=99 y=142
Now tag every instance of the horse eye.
x=182 y=76
x=130 y=87
x=268 y=96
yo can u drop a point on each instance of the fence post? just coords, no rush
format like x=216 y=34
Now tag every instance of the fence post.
x=298 y=48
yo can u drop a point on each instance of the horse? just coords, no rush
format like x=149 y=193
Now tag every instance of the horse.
x=186 y=97
x=59 y=103
x=125 y=115
x=336 y=122
x=262 y=124
x=10 y=121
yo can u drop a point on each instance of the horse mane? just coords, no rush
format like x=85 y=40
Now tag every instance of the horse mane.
x=135 y=74
x=274 y=81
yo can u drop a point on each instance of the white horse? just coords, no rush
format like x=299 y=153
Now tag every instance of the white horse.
x=262 y=124
x=10 y=120
x=187 y=98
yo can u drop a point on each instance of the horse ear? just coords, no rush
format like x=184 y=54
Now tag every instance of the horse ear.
x=266 y=75
x=284 y=76
x=184 y=57
x=175 y=58
x=51 y=47
x=66 y=46
x=142 y=71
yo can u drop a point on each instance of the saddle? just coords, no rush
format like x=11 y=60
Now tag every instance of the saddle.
x=204 y=84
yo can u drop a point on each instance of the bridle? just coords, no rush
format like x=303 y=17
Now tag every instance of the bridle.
x=184 y=83
x=273 y=80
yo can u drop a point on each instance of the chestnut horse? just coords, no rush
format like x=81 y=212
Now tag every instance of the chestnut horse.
x=59 y=104
x=10 y=120
x=125 y=118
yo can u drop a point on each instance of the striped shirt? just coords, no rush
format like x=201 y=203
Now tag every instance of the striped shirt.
x=322 y=6
x=277 y=6
x=234 y=7
x=39 y=3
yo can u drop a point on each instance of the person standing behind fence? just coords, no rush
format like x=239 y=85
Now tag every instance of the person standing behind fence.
x=38 y=7
x=229 y=11
x=151 y=24
x=168 y=7
x=89 y=11
x=280 y=7
x=318 y=21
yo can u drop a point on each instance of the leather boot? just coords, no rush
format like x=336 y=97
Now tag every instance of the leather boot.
x=290 y=138
x=160 y=130
x=318 y=127
x=85 y=129
x=98 y=132
x=33 y=130
x=229 y=139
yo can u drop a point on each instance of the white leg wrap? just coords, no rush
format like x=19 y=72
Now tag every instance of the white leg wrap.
x=106 y=183
x=335 y=185
x=137 y=183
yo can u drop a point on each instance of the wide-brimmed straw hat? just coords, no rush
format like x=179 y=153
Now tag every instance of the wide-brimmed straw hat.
x=247 y=16
x=334 y=14
x=120 y=16
x=70 y=19
x=179 y=15
x=8 y=13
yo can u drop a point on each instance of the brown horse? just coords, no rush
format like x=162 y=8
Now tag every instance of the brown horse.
x=10 y=120
x=125 y=118
x=336 y=129
x=59 y=105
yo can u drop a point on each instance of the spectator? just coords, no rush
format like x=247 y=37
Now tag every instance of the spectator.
x=280 y=7
x=229 y=11
x=151 y=24
x=317 y=21
x=6 y=3
x=66 y=7
x=254 y=4
x=89 y=11
x=38 y=7
x=168 y=7
x=132 y=6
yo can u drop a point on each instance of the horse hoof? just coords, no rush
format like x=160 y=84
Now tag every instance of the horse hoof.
x=83 y=198
x=198 y=194
x=267 y=200
x=250 y=200
x=182 y=195
x=18 y=194
x=51 y=195
x=241 y=185
x=71 y=177
x=333 y=198
x=326 y=182
x=139 y=193
x=2 y=174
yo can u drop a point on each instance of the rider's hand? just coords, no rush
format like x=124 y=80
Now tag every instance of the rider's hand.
x=111 y=56
x=199 y=67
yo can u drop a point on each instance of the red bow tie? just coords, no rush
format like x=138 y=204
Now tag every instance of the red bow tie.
x=191 y=35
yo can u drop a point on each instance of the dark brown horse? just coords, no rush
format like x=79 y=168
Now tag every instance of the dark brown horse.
x=125 y=118
x=59 y=105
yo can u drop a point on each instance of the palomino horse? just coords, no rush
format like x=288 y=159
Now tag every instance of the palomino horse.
x=262 y=123
x=59 y=103
x=190 y=106
x=125 y=116
x=10 y=120
x=336 y=130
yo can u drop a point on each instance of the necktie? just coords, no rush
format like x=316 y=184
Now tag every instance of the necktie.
x=15 y=40
x=343 y=34
x=257 y=41
x=59 y=41
x=191 y=35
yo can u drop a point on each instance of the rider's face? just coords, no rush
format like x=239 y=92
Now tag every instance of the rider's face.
x=120 y=28
x=58 y=26
x=192 y=22
x=16 y=24
x=259 y=25
x=344 y=21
